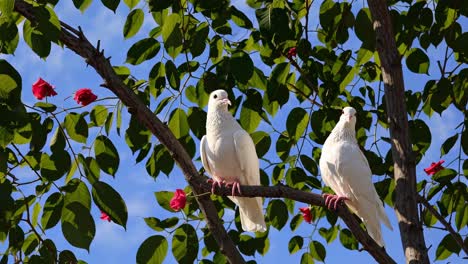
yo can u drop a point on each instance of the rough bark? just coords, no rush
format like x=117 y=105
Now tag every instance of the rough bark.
x=411 y=231
x=76 y=41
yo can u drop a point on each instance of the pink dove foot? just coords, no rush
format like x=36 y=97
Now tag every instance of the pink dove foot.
x=332 y=201
x=215 y=183
x=235 y=186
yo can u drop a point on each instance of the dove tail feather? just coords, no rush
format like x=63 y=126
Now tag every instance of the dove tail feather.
x=383 y=216
x=251 y=214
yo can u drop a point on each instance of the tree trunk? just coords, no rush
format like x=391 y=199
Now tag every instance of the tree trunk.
x=411 y=231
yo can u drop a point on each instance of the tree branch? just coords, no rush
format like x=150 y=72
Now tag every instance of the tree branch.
x=282 y=191
x=77 y=42
x=406 y=209
x=442 y=220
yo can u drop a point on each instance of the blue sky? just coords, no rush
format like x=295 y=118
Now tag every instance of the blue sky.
x=68 y=72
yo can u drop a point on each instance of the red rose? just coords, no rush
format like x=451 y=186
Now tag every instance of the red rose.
x=42 y=89
x=104 y=216
x=291 y=53
x=84 y=96
x=306 y=214
x=178 y=201
x=435 y=167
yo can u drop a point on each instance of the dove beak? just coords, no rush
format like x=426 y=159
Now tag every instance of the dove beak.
x=226 y=101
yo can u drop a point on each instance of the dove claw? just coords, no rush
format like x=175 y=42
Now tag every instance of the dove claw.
x=332 y=201
x=215 y=183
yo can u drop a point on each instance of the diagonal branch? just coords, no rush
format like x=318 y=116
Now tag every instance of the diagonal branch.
x=77 y=42
x=444 y=222
x=282 y=191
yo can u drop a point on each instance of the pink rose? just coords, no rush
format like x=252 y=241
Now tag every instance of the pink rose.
x=179 y=200
x=84 y=96
x=306 y=214
x=435 y=167
x=42 y=89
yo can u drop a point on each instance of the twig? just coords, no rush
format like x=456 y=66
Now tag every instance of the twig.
x=442 y=220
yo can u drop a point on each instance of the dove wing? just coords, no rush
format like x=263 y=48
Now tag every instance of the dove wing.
x=204 y=150
x=247 y=158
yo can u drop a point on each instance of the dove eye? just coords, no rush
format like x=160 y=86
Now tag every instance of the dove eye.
x=215 y=96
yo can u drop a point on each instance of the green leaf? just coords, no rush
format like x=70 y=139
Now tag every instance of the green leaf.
x=178 y=123
x=199 y=38
x=7 y=7
x=307 y=258
x=461 y=219
x=295 y=244
x=241 y=66
x=10 y=37
x=240 y=18
x=163 y=198
x=329 y=234
x=82 y=5
x=77 y=191
x=131 y=3
x=417 y=61
x=159 y=161
x=10 y=90
x=464 y=139
x=142 y=50
x=99 y=115
x=185 y=244
x=76 y=127
x=6 y=136
x=172 y=75
x=197 y=116
x=348 y=240
x=159 y=225
x=277 y=213
x=109 y=201
x=107 y=155
x=55 y=166
x=262 y=142
x=172 y=35
x=447 y=247
x=153 y=250
x=133 y=23
x=48 y=107
x=159 y=5
x=52 y=210
x=15 y=239
x=444 y=176
x=111 y=4
x=280 y=73
x=364 y=29
x=35 y=214
x=66 y=256
x=249 y=119
x=30 y=244
x=448 y=144
x=420 y=135
x=296 y=124
x=78 y=226
x=317 y=250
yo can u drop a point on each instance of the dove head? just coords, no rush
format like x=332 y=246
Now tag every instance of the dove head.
x=218 y=101
x=348 y=116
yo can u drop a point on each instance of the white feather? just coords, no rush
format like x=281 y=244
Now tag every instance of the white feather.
x=346 y=170
x=228 y=153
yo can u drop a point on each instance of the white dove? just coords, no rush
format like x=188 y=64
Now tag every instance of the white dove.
x=346 y=170
x=228 y=155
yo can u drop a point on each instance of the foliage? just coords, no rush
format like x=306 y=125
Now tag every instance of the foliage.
x=194 y=49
